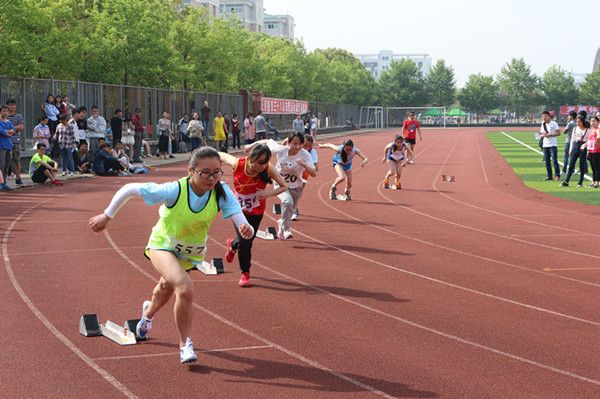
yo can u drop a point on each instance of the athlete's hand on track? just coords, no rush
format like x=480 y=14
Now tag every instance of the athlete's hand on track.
x=245 y=231
x=363 y=163
x=383 y=160
x=99 y=222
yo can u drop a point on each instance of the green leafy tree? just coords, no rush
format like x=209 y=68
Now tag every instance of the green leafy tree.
x=590 y=89
x=402 y=85
x=521 y=86
x=479 y=95
x=559 y=88
x=440 y=85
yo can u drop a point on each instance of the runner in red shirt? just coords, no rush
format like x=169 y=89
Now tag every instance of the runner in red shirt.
x=409 y=130
x=251 y=175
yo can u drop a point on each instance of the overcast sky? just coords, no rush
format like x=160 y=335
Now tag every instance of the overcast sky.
x=470 y=35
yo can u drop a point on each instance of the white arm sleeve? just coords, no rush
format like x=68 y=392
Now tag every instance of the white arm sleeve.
x=122 y=196
x=239 y=219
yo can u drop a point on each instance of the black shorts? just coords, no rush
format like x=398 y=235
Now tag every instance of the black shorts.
x=411 y=141
x=39 y=176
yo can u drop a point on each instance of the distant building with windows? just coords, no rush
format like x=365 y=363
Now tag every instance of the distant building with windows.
x=249 y=12
x=377 y=63
x=212 y=6
x=279 y=26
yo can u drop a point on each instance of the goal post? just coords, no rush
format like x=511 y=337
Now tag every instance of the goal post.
x=395 y=116
x=371 y=117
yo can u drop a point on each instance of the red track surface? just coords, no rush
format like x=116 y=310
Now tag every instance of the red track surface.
x=437 y=290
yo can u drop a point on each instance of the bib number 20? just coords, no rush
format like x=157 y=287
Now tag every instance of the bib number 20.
x=289 y=178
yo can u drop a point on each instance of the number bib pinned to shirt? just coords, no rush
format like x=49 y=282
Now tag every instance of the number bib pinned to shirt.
x=248 y=201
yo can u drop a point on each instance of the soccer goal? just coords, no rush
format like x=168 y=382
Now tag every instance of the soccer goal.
x=371 y=117
x=395 y=116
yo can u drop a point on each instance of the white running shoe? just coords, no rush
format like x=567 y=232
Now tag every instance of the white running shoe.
x=287 y=234
x=186 y=352
x=144 y=325
x=411 y=162
x=294 y=216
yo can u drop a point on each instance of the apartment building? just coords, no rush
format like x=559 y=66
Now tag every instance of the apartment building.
x=377 y=63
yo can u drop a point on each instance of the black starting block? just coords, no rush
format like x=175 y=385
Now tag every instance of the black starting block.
x=448 y=178
x=89 y=325
x=277 y=209
x=272 y=230
x=214 y=267
x=131 y=326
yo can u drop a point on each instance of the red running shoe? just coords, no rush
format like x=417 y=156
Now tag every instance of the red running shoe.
x=245 y=279
x=56 y=182
x=230 y=254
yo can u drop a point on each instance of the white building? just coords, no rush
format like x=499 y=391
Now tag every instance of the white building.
x=249 y=12
x=377 y=63
x=212 y=6
x=279 y=26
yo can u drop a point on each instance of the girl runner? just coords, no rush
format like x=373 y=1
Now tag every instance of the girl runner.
x=250 y=178
x=342 y=163
x=292 y=161
x=394 y=155
x=309 y=142
x=178 y=241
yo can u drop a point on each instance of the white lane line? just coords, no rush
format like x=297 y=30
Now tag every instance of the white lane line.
x=242 y=348
x=231 y=324
x=536 y=150
x=47 y=323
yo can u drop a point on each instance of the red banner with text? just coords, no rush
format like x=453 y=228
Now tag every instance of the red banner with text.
x=590 y=109
x=280 y=106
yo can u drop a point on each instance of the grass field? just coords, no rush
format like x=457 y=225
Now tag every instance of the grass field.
x=526 y=164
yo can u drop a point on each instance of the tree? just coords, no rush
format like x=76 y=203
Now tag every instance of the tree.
x=521 y=86
x=590 y=89
x=440 y=85
x=479 y=95
x=559 y=88
x=402 y=85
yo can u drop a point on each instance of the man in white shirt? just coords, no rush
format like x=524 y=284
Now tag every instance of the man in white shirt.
x=96 y=129
x=549 y=131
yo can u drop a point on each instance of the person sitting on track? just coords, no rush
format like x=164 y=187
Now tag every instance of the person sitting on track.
x=342 y=163
x=42 y=167
x=394 y=155
x=292 y=161
x=251 y=175
x=178 y=241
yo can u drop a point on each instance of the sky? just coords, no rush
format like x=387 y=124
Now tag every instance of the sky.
x=471 y=36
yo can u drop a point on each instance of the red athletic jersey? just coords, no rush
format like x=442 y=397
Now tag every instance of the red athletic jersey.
x=410 y=129
x=245 y=190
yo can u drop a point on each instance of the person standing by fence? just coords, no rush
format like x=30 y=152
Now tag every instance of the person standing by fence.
x=235 y=131
x=205 y=117
x=18 y=122
x=195 y=130
x=96 y=125
x=261 y=126
x=139 y=129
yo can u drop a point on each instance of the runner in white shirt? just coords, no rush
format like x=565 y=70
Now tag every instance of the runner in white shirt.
x=292 y=161
x=395 y=156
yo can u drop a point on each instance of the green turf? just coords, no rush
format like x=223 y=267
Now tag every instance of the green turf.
x=526 y=164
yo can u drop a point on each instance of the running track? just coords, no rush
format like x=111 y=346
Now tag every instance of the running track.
x=437 y=290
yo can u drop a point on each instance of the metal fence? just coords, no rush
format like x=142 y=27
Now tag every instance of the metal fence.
x=329 y=115
x=31 y=94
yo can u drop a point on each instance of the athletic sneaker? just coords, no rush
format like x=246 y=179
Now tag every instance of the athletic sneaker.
x=72 y=174
x=332 y=193
x=398 y=185
x=64 y=173
x=564 y=184
x=56 y=182
x=287 y=234
x=411 y=162
x=386 y=184
x=19 y=182
x=294 y=216
x=245 y=279
x=186 y=352
x=144 y=325
x=348 y=197
x=230 y=254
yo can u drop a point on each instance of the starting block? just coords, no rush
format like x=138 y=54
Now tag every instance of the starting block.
x=277 y=209
x=90 y=327
x=212 y=268
x=131 y=326
x=448 y=178
x=268 y=234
